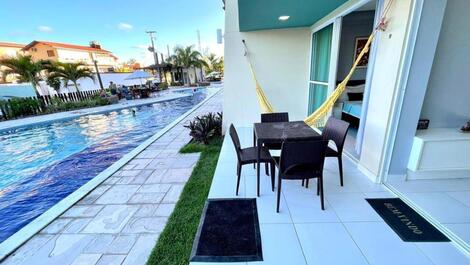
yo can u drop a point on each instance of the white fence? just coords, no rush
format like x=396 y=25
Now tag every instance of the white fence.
x=26 y=89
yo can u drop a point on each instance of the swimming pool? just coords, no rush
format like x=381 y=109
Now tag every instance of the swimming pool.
x=41 y=165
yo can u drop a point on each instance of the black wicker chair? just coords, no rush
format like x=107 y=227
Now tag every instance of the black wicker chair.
x=302 y=160
x=272 y=117
x=336 y=131
x=249 y=156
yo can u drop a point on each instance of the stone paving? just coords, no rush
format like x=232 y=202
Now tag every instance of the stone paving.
x=121 y=219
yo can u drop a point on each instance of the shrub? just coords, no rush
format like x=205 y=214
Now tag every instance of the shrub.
x=163 y=86
x=205 y=127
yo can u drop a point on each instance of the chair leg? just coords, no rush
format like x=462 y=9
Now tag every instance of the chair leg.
x=306 y=183
x=279 y=182
x=340 y=164
x=239 y=170
x=318 y=187
x=320 y=179
x=266 y=168
x=273 y=174
x=254 y=144
x=257 y=182
x=303 y=182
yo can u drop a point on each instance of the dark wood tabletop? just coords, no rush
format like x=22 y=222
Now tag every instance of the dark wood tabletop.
x=275 y=132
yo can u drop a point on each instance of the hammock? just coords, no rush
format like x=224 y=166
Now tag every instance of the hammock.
x=317 y=118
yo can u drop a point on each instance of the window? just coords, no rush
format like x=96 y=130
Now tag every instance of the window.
x=34 y=49
x=50 y=53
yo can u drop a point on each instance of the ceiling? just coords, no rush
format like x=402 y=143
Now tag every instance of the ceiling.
x=263 y=14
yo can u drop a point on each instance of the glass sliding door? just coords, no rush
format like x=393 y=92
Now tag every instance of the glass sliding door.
x=320 y=67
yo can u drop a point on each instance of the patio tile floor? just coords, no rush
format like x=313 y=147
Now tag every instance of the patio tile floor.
x=349 y=231
x=121 y=219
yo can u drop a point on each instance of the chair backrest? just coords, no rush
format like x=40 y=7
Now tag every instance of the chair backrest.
x=275 y=117
x=309 y=155
x=336 y=131
x=235 y=139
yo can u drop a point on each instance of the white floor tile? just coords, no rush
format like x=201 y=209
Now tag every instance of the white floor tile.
x=267 y=210
x=461 y=196
x=461 y=230
x=328 y=244
x=381 y=246
x=280 y=245
x=443 y=254
x=307 y=209
x=352 y=207
x=441 y=206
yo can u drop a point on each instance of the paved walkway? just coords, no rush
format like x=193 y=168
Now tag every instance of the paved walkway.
x=120 y=221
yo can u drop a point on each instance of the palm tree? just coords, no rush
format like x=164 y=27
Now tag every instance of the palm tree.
x=69 y=72
x=188 y=57
x=215 y=64
x=26 y=69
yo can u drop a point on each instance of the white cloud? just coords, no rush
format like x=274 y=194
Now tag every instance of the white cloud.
x=44 y=28
x=140 y=46
x=125 y=26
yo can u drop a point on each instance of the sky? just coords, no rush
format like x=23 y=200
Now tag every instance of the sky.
x=118 y=25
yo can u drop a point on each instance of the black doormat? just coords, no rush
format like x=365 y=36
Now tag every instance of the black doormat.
x=228 y=232
x=406 y=222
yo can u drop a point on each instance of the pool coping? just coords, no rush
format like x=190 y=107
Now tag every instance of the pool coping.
x=73 y=114
x=24 y=234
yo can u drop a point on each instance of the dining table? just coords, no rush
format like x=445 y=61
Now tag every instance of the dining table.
x=278 y=132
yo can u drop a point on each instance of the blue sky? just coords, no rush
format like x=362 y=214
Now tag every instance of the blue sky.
x=117 y=24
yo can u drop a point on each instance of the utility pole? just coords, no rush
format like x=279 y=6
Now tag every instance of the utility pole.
x=199 y=47
x=152 y=49
x=95 y=62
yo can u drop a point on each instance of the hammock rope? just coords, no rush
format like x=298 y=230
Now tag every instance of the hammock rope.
x=317 y=118
x=263 y=101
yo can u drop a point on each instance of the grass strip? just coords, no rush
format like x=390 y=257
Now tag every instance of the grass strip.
x=175 y=242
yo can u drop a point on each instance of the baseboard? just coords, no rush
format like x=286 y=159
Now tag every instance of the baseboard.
x=368 y=173
x=438 y=174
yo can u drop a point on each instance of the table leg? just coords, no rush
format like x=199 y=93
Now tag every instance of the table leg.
x=258 y=157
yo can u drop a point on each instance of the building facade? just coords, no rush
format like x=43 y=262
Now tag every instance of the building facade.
x=71 y=53
x=8 y=49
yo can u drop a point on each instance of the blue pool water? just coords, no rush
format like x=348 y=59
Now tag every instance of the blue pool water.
x=39 y=166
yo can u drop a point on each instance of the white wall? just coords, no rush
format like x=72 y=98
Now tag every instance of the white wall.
x=384 y=86
x=447 y=101
x=73 y=56
x=280 y=59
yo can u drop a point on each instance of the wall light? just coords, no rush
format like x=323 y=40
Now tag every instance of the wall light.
x=284 y=18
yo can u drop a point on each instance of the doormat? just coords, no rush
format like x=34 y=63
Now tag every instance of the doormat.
x=228 y=232
x=406 y=222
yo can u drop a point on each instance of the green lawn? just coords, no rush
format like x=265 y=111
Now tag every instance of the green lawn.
x=176 y=240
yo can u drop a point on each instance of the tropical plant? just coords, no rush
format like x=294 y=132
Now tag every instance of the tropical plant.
x=54 y=82
x=69 y=72
x=214 y=63
x=205 y=127
x=187 y=57
x=26 y=69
